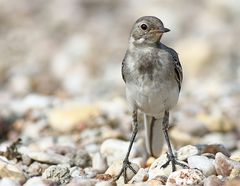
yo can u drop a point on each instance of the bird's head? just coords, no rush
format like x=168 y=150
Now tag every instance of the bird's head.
x=147 y=30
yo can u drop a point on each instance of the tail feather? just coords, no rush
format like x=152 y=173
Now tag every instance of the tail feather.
x=154 y=135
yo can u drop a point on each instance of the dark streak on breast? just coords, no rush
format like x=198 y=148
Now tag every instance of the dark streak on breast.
x=146 y=68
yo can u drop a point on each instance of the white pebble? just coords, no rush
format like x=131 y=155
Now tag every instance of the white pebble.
x=202 y=163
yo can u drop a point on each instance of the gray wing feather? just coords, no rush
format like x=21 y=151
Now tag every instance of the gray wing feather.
x=177 y=65
x=178 y=70
x=124 y=68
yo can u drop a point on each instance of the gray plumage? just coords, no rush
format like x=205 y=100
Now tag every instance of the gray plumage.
x=153 y=76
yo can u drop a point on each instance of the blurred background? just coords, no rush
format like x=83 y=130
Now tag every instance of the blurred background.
x=62 y=93
x=61 y=51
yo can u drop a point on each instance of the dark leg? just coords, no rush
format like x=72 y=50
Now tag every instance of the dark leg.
x=126 y=163
x=171 y=157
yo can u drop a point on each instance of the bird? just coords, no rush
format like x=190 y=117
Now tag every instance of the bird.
x=153 y=77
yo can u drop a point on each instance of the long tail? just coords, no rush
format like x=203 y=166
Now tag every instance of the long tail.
x=154 y=135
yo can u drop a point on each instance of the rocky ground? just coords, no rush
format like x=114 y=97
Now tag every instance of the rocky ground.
x=66 y=142
x=64 y=119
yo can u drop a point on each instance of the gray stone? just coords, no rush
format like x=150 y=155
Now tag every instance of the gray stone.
x=8 y=182
x=213 y=149
x=82 y=182
x=225 y=165
x=184 y=152
x=36 y=169
x=57 y=173
x=99 y=163
x=90 y=172
x=26 y=160
x=82 y=159
x=185 y=177
x=10 y=170
x=36 y=181
x=77 y=172
x=213 y=181
x=202 y=163
x=46 y=157
x=105 y=183
x=141 y=176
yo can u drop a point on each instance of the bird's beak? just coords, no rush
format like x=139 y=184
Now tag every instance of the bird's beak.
x=160 y=30
x=164 y=30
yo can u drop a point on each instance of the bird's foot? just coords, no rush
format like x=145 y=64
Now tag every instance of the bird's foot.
x=173 y=160
x=126 y=165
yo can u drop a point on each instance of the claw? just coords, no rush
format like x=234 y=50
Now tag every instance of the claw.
x=126 y=165
x=174 y=162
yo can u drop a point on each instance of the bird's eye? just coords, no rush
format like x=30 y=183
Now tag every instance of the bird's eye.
x=144 y=26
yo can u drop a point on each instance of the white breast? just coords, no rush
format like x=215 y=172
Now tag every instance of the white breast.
x=152 y=101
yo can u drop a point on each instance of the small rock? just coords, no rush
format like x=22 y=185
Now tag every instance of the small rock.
x=189 y=150
x=140 y=161
x=141 y=176
x=50 y=158
x=213 y=181
x=161 y=180
x=225 y=165
x=157 y=170
x=153 y=183
x=235 y=155
x=148 y=183
x=114 y=150
x=82 y=159
x=150 y=161
x=185 y=177
x=36 y=169
x=213 y=149
x=66 y=118
x=46 y=157
x=26 y=160
x=235 y=173
x=99 y=163
x=116 y=167
x=234 y=182
x=63 y=150
x=36 y=181
x=82 y=182
x=90 y=172
x=105 y=183
x=104 y=177
x=77 y=172
x=9 y=170
x=57 y=173
x=8 y=182
x=202 y=163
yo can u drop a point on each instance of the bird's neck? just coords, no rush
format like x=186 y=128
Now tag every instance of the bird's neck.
x=142 y=46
